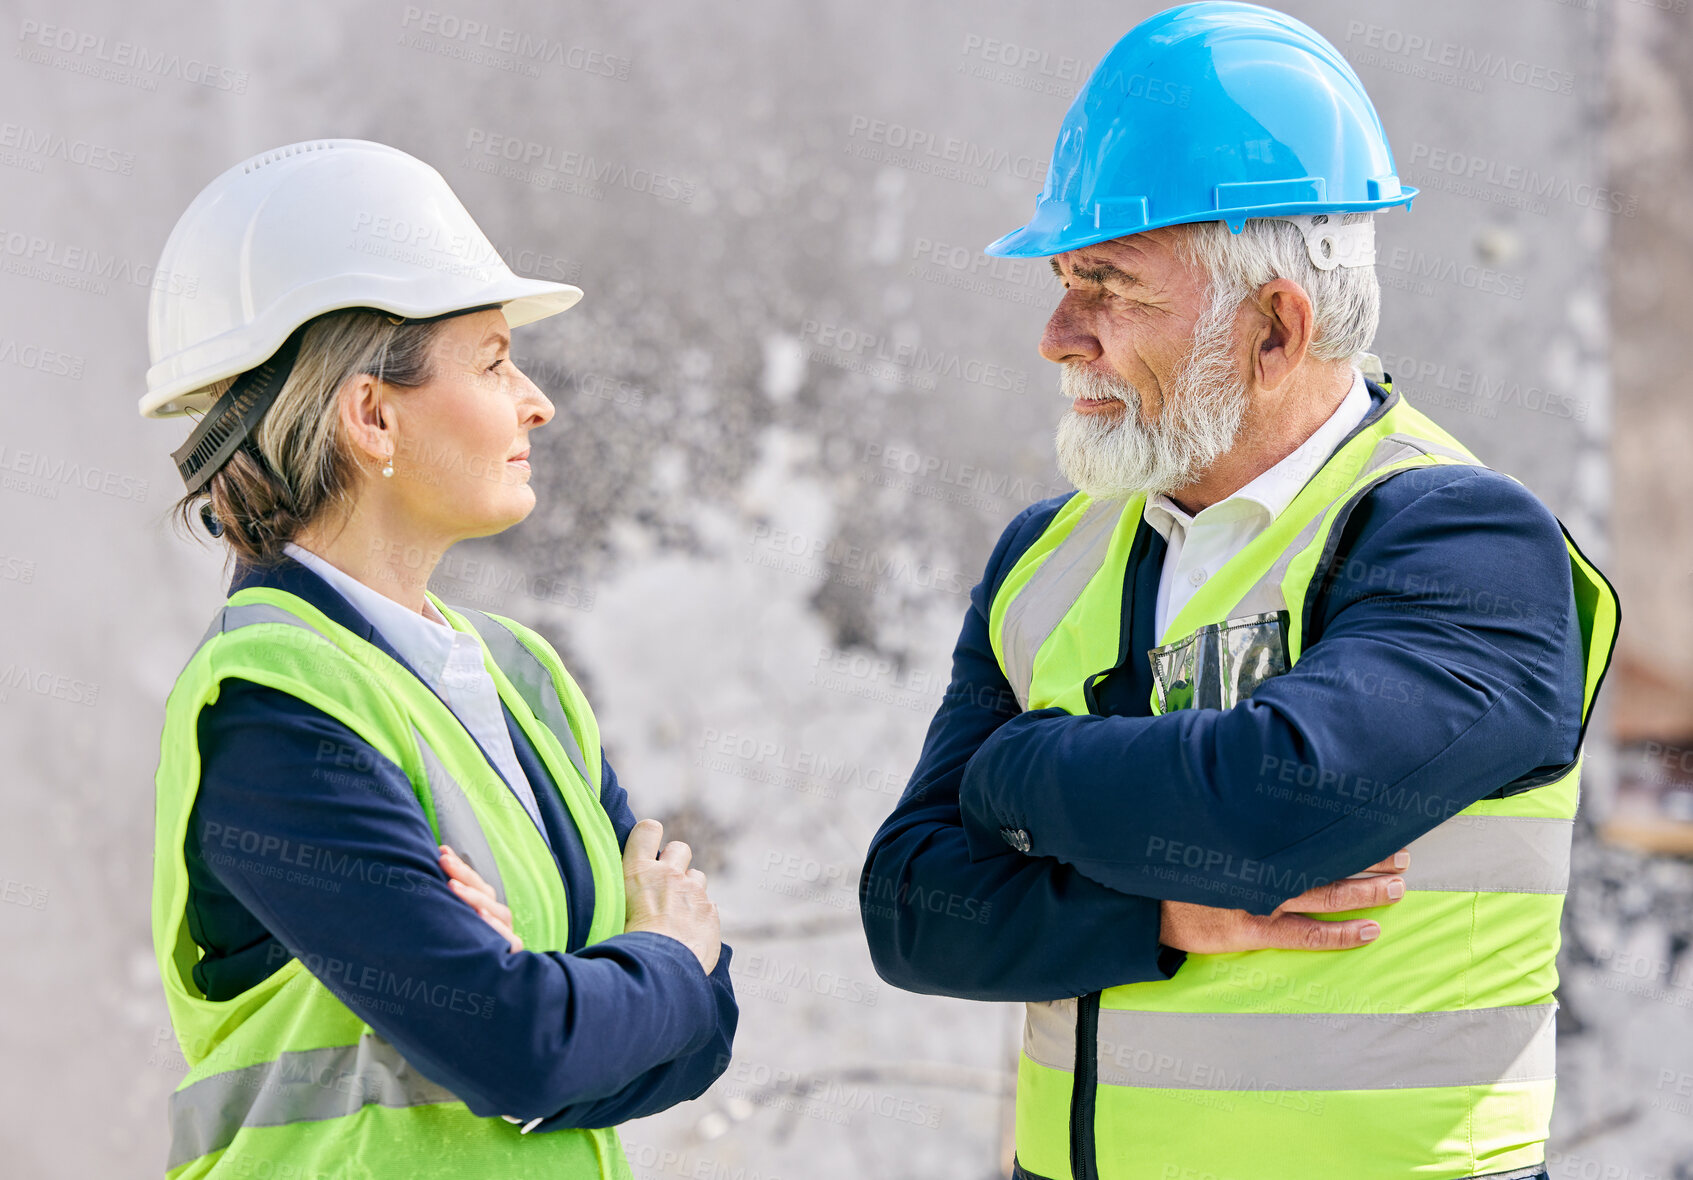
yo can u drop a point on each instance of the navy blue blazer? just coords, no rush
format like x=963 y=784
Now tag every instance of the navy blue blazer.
x=293 y=853
x=1443 y=659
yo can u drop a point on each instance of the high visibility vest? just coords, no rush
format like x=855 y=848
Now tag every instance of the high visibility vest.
x=1428 y=1052
x=284 y=1079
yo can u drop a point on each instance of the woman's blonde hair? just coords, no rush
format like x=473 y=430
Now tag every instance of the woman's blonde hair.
x=297 y=463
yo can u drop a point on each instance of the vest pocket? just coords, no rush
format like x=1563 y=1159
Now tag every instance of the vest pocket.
x=1220 y=664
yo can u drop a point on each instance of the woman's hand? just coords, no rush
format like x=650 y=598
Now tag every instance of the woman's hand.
x=479 y=895
x=664 y=895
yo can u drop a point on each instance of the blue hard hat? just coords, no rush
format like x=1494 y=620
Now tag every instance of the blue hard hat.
x=1214 y=111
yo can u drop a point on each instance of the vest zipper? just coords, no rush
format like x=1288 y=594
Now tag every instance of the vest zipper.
x=1084 y=1089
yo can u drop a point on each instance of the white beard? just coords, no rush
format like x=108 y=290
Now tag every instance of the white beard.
x=1113 y=456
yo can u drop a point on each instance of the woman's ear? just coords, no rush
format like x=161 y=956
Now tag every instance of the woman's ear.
x=365 y=416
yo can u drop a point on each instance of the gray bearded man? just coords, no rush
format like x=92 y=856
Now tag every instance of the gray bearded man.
x=1262 y=749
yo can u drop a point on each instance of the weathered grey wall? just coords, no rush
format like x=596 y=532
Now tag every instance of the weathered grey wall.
x=795 y=409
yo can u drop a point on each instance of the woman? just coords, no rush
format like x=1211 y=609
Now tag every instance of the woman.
x=397 y=889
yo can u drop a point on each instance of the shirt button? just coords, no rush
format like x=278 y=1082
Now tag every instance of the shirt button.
x=1197 y=577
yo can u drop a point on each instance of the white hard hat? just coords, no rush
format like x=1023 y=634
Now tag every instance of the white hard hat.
x=308 y=228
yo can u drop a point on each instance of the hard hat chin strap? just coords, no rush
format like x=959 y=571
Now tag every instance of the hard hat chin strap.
x=234 y=416
x=1331 y=242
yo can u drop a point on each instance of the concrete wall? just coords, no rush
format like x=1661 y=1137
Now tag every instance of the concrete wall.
x=729 y=459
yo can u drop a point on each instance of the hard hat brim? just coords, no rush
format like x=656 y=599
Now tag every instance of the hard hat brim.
x=522 y=301
x=1037 y=240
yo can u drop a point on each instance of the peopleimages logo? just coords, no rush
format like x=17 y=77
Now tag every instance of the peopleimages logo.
x=1450 y=55
x=922 y=363
x=546 y=166
x=1516 y=178
x=50 y=145
x=924 y=144
x=454 y=36
x=35 y=39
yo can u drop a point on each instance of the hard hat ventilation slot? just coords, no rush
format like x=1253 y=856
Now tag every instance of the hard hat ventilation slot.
x=293 y=149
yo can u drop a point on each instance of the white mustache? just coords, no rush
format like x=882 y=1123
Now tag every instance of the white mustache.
x=1077 y=382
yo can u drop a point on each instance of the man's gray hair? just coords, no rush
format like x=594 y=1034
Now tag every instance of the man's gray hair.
x=1346 y=301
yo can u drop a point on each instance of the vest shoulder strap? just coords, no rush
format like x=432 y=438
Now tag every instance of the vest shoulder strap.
x=536 y=673
x=533 y=679
x=352 y=680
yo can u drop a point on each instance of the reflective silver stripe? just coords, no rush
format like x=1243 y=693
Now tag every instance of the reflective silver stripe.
x=1430 y=447
x=1532 y=1172
x=300 y=1086
x=458 y=824
x=532 y=680
x=1036 y=610
x=1049 y=1033
x=231 y=617
x=1321 y=1051
x=1492 y=854
x=1395 y=447
x=1266 y=593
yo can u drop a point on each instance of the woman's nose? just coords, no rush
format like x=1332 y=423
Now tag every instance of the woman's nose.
x=537 y=407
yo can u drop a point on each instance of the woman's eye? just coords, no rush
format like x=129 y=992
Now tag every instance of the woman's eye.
x=496 y=364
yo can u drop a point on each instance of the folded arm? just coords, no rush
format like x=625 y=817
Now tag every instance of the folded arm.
x=1444 y=663
x=337 y=861
x=1002 y=926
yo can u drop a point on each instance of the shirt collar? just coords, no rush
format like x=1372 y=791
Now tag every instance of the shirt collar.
x=426 y=640
x=1273 y=490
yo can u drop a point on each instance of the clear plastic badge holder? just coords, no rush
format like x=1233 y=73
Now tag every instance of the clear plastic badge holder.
x=1221 y=664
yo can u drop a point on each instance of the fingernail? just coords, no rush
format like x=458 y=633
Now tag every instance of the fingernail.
x=1401 y=860
x=1396 y=888
x=1370 y=932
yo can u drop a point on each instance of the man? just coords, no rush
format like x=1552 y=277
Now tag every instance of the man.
x=1287 y=631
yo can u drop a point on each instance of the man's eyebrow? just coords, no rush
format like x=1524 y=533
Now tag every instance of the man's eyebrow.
x=1098 y=272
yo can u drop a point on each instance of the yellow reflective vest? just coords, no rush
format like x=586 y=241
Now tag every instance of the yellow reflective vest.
x=284 y=1079
x=1428 y=1052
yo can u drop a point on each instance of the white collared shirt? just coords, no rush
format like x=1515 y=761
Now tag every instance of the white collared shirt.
x=1199 y=545
x=449 y=661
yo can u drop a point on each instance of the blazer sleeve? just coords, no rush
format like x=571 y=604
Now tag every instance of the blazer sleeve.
x=323 y=840
x=1005 y=926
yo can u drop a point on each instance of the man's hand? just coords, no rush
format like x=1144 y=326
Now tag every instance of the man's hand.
x=664 y=895
x=1210 y=930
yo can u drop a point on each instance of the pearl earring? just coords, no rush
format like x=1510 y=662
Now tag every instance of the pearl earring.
x=388 y=467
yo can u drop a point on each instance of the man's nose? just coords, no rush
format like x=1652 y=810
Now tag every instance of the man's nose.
x=1068 y=336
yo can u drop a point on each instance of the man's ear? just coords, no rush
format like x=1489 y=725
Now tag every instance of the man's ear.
x=1286 y=324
